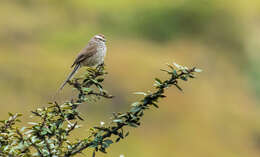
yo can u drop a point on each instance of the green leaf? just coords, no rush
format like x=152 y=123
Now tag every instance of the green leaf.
x=191 y=76
x=178 y=87
x=6 y=148
x=18 y=120
x=100 y=79
x=170 y=66
x=141 y=114
x=135 y=109
x=87 y=89
x=28 y=132
x=158 y=81
x=19 y=115
x=44 y=132
x=155 y=105
x=103 y=150
x=32 y=123
x=135 y=103
x=22 y=129
x=140 y=93
x=118 y=139
x=94 y=145
x=132 y=124
x=95 y=81
x=175 y=74
x=184 y=78
x=121 y=115
x=165 y=71
x=108 y=141
x=117 y=120
x=178 y=66
x=10 y=114
x=45 y=152
x=34 y=139
x=198 y=70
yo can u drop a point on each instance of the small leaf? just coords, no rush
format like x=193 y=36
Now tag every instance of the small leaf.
x=155 y=105
x=135 y=104
x=191 y=76
x=100 y=79
x=32 y=123
x=19 y=115
x=178 y=87
x=106 y=143
x=44 y=132
x=34 y=139
x=102 y=123
x=118 y=139
x=18 y=120
x=121 y=115
x=103 y=150
x=29 y=131
x=198 y=70
x=178 y=66
x=10 y=114
x=165 y=71
x=135 y=109
x=22 y=129
x=184 y=78
x=170 y=66
x=141 y=114
x=87 y=89
x=133 y=124
x=158 y=81
x=117 y=120
x=175 y=74
x=121 y=135
x=140 y=93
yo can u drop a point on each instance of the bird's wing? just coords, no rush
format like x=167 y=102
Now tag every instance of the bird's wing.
x=85 y=53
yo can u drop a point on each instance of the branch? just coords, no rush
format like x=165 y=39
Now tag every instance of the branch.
x=50 y=136
x=101 y=136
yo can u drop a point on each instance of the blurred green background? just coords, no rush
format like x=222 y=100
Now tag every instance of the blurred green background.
x=218 y=114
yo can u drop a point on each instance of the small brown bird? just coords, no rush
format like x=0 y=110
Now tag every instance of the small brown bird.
x=93 y=54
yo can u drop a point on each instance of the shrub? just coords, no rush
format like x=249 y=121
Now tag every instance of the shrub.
x=50 y=136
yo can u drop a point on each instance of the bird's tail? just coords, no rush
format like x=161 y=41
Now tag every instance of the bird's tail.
x=76 y=68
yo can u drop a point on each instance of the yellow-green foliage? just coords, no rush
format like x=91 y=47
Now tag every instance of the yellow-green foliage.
x=51 y=136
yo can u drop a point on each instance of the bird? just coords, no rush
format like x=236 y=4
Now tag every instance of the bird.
x=92 y=55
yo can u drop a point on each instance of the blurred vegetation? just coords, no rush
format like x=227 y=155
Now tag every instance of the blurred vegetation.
x=218 y=116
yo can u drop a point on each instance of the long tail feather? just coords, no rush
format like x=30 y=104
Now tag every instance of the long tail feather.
x=76 y=68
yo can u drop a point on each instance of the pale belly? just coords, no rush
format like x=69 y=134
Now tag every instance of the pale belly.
x=96 y=59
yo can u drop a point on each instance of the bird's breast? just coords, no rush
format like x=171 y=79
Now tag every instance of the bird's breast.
x=97 y=58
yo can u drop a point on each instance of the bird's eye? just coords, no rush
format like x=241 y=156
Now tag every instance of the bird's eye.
x=102 y=39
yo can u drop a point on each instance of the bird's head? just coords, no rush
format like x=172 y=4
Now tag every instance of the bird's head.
x=99 y=38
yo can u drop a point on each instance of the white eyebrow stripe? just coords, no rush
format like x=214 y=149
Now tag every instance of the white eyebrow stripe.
x=99 y=37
